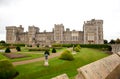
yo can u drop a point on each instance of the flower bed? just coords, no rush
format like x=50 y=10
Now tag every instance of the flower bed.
x=13 y=55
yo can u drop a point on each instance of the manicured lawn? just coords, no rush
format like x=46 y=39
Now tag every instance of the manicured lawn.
x=30 y=54
x=2 y=57
x=38 y=71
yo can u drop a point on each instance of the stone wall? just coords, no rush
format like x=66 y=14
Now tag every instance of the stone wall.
x=115 y=48
x=100 y=69
x=63 y=76
x=115 y=74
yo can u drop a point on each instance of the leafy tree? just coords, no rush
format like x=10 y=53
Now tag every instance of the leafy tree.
x=105 y=41
x=7 y=50
x=2 y=41
x=112 y=41
x=53 y=50
x=117 y=41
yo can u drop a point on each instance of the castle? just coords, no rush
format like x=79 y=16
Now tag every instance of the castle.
x=92 y=34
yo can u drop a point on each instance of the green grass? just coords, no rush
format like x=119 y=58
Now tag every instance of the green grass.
x=37 y=70
x=30 y=54
x=2 y=57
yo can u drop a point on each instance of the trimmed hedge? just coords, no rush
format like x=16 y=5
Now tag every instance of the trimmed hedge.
x=56 y=45
x=105 y=47
x=13 y=45
x=66 y=55
x=7 y=71
x=38 y=49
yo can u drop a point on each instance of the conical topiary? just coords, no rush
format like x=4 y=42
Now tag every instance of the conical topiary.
x=53 y=50
x=7 y=50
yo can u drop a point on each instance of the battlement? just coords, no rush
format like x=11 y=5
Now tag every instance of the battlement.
x=93 y=22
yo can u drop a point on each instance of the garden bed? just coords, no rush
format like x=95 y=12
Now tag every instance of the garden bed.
x=13 y=55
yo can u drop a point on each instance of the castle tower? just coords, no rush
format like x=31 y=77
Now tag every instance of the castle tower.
x=93 y=32
x=11 y=32
x=32 y=30
x=58 y=32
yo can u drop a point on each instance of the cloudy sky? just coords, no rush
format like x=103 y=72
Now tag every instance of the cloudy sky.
x=72 y=13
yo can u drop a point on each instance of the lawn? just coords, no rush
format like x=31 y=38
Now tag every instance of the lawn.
x=37 y=70
x=2 y=57
x=30 y=54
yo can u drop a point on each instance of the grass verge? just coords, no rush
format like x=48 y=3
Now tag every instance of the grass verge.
x=56 y=66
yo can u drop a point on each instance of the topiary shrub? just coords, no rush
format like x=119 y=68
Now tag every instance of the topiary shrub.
x=53 y=50
x=18 y=48
x=76 y=49
x=66 y=55
x=7 y=50
x=79 y=46
x=7 y=70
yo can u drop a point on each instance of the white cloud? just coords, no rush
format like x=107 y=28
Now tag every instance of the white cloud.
x=72 y=13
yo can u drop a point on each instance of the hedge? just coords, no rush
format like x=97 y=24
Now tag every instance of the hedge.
x=38 y=49
x=66 y=55
x=7 y=70
x=95 y=46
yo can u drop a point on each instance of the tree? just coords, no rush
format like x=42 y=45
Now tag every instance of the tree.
x=112 y=41
x=105 y=41
x=117 y=41
x=2 y=41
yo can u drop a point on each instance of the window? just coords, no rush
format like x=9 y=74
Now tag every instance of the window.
x=90 y=36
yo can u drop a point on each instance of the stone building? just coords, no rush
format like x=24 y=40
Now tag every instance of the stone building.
x=92 y=34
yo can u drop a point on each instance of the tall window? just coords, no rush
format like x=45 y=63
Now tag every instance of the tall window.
x=91 y=36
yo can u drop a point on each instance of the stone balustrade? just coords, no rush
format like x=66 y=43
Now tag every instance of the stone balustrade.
x=106 y=68
x=100 y=69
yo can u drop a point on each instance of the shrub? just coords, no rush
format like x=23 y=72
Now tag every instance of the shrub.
x=53 y=50
x=76 y=49
x=47 y=52
x=7 y=71
x=12 y=47
x=66 y=55
x=23 y=45
x=7 y=50
x=38 y=49
x=2 y=47
x=79 y=46
x=56 y=45
x=18 y=48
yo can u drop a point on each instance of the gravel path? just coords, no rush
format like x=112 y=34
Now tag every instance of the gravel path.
x=37 y=59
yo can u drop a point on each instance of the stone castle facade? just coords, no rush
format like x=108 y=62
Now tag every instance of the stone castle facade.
x=92 y=34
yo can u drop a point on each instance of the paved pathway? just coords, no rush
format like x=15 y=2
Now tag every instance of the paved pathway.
x=37 y=59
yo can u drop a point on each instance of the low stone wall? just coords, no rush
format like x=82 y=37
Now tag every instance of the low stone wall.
x=115 y=74
x=63 y=76
x=100 y=69
x=115 y=48
x=118 y=54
